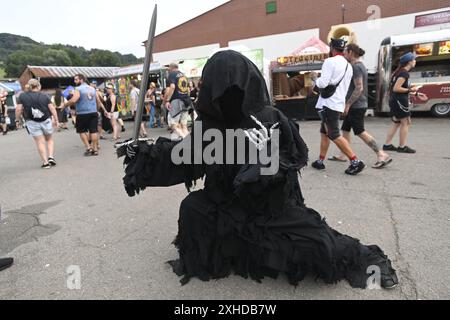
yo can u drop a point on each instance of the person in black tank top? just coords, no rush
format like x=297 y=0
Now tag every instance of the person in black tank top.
x=111 y=109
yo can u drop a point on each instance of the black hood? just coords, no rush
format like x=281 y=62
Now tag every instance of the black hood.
x=225 y=70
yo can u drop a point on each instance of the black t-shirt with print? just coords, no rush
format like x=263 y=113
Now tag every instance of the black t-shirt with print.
x=181 y=83
x=35 y=106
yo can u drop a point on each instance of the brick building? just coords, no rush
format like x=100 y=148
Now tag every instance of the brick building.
x=279 y=27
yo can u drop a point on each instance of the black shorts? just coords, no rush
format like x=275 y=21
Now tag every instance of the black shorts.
x=87 y=123
x=330 y=123
x=399 y=108
x=354 y=120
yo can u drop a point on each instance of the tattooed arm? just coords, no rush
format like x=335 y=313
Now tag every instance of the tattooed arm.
x=359 y=89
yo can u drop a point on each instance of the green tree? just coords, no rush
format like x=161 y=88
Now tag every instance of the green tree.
x=54 y=57
x=77 y=60
x=103 y=58
x=17 y=62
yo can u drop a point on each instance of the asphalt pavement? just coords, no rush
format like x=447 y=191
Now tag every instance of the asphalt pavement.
x=77 y=217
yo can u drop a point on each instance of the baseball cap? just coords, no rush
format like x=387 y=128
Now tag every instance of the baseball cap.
x=173 y=65
x=407 y=57
x=338 y=44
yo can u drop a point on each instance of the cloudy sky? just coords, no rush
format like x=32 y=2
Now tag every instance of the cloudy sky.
x=117 y=25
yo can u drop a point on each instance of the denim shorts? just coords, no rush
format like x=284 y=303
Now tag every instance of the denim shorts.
x=37 y=129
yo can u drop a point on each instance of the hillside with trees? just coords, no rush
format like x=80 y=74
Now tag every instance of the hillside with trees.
x=16 y=52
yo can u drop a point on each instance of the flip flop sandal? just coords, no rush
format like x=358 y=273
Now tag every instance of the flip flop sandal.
x=382 y=164
x=379 y=165
x=388 y=161
x=94 y=153
x=336 y=159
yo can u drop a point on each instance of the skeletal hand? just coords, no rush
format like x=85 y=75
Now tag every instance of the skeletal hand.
x=130 y=148
x=259 y=138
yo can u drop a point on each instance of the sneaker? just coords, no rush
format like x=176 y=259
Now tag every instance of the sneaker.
x=318 y=165
x=389 y=147
x=406 y=149
x=355 y=168
x=52 y=161
x=123 y=129
x=46 y=166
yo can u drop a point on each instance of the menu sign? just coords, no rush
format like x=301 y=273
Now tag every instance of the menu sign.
x=432 y=19
x=424 y=50
x=444 y=47
x=303 y=59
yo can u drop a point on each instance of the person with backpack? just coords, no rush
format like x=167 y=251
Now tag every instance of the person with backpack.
x=399 y=91
x=41 y=117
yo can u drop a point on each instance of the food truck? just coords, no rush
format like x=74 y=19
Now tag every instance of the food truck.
x=291 y=84
x=431 y=75
x=124 y=76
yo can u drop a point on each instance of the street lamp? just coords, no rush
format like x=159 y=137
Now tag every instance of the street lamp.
x=343 y=13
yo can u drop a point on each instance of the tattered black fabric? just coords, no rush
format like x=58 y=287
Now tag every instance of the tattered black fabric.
x=243 y=222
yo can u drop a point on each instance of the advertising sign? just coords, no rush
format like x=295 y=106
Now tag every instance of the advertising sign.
x=444 y=47
x=432 y=19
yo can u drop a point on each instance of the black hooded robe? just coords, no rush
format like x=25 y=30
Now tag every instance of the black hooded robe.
x=241 y=221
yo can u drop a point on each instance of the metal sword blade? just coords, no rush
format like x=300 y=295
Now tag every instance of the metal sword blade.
x=144 y=82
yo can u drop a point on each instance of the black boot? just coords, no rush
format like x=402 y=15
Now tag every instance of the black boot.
x=5 y=263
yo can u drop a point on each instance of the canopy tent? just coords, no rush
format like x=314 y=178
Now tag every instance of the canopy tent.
x=309 y=56
x=10 y=86
x=312 y=46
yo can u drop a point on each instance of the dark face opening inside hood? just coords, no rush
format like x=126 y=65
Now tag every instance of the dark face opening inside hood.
x=233 y=88
x=230 y=105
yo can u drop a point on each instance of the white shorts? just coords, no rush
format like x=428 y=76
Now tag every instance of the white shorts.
x=181 y=118
x=37 y=129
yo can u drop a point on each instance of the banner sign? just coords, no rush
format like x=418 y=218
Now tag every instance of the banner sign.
x=432 y=19
x=302 y=60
